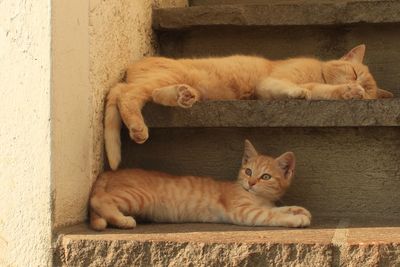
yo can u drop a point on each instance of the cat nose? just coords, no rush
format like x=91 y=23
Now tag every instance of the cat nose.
x=251 y=183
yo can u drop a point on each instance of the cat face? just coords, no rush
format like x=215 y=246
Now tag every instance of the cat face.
x=265 y=176
x=350 y=68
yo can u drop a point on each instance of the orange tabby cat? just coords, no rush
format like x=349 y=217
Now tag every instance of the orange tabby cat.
x=118 y=197
x=183 y=82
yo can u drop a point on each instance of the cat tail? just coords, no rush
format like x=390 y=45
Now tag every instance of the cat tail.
x=98 y=195
x=112 y=127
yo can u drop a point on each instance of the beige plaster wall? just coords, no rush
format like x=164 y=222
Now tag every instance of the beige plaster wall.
x=93 y=42
x=71 y=110
x=25 y=202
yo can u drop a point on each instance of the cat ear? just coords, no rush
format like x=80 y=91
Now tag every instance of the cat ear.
x=249 y=151
x=384 y=94
x=356 y=54
x=287 y=163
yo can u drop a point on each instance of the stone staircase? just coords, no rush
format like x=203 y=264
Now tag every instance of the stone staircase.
x=347 y=152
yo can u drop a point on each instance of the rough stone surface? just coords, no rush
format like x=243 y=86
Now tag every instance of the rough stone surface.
x=196 y=245
x=350 y=171
x=325 y=42
x=25 y=144
x=337 y=241
x=293 y=113
x=281 y=13
x=369 y=242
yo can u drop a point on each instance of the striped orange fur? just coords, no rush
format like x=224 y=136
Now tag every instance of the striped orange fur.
x=120 y=197
x=183 y=82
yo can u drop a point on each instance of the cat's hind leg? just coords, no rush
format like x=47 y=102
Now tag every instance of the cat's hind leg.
x=96 y=222
x=181 y=95
x=106 y=208
x=272 y=89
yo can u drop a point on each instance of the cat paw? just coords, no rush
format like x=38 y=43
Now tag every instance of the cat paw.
x=295 y=210
x=187 y=96
x=352 y=91
x=300 y=220
x=139 y=135
x=126 y=222
x=300 y=93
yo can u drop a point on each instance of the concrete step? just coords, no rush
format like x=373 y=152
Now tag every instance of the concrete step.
x=292 y=113
x=277 y=30
x=278 y=14
x=329 y=242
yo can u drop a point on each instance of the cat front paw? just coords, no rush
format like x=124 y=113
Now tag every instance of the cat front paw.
x=300 y=93
x=139 y=134
x=352 y=91
x=187 y=96
x=296 y=210
x=299 y=220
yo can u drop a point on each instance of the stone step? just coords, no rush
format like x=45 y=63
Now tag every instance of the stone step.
x=329 y=242
x=252 y=2
x=291 y=113
x=278 y=14
x=278 y=30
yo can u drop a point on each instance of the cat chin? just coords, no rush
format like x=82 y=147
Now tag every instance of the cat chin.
x=250 y=190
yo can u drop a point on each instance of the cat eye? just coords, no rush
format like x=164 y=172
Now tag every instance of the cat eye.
x=355 y=74
x=248 y=172
x=266 y=176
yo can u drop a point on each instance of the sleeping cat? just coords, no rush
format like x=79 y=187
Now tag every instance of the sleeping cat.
x=120 y=197
x=183 y=82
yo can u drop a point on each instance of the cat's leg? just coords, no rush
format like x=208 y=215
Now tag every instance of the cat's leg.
x=262 y=216
x=97 y=222
x=272 y=88
x=342 y=91
x=106 y=207
x=181 y=95
x=130 y=104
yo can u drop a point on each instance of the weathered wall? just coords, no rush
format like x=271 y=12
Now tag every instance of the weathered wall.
x=93 y=43
x=120 y=33
x=25 y=202
x=71 y=110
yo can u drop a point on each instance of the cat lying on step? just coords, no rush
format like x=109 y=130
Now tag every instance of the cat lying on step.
x=120 y=197
x=183 y=82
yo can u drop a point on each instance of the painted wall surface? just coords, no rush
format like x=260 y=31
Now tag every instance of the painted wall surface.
x=25 y=191
x=92 y=45
x=71 y=110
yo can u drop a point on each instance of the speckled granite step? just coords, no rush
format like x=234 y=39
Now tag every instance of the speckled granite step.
x=329 y=242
